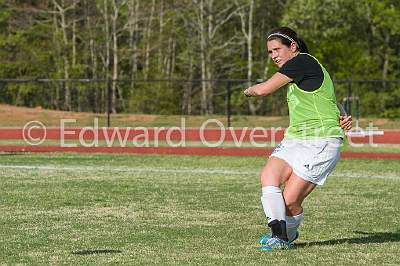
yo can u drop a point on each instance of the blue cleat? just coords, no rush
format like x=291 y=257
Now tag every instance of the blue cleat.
x=264 y=238
x=264 y=248
x=276 y=243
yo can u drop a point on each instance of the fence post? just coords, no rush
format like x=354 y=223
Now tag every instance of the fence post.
x=357 y=110
x=349 y=98
x=228 y=103
x=108 y=102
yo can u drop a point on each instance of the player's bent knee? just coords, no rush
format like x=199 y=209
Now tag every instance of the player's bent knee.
x=268 y=179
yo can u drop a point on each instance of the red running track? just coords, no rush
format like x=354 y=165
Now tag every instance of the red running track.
x=177 y=134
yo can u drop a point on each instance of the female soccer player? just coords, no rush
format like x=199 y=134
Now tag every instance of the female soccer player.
x=310 y=148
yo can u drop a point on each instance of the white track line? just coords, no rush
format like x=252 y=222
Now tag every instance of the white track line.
x=131 y=170
x=347 y=174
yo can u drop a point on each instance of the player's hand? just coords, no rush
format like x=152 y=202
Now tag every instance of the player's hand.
x=346 y=122
x=248 y=92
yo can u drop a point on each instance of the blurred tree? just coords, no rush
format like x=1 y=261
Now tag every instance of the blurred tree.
x=365 y=46
x=191 y=40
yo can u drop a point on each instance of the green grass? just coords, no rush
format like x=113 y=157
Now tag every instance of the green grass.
x=377 y=148
x=153 y=209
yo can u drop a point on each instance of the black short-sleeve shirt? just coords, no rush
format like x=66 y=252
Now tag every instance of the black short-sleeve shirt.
x=305 y=71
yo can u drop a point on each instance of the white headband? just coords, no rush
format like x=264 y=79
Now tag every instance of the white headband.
x=284 y=36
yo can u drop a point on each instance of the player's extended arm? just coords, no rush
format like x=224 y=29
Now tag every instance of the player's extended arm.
x=275 y=82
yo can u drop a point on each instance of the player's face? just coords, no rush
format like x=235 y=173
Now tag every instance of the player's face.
x=279 y=52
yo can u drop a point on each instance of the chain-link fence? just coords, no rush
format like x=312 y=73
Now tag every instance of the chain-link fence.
x=379 y=98
x=187 y=97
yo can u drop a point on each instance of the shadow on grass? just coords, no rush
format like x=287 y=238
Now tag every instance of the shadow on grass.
x=8 y=153
x=95 y=251
x=368 y=237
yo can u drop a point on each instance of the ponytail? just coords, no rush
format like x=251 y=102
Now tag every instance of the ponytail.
x=302 y=46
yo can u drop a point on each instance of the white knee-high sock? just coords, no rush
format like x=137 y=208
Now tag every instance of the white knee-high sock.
x=273 y=203
x=292 y=225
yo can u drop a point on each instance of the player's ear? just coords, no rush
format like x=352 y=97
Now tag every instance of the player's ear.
x=293 y=47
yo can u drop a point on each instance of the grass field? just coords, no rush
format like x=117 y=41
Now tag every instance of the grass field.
x=378 y=148
x=153 y=209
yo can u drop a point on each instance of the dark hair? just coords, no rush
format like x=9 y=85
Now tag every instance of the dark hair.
x=286 y=35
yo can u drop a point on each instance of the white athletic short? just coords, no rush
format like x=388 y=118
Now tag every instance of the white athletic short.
x=312 y=160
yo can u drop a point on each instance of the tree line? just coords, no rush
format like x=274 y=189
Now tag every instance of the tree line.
x=127 y=42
